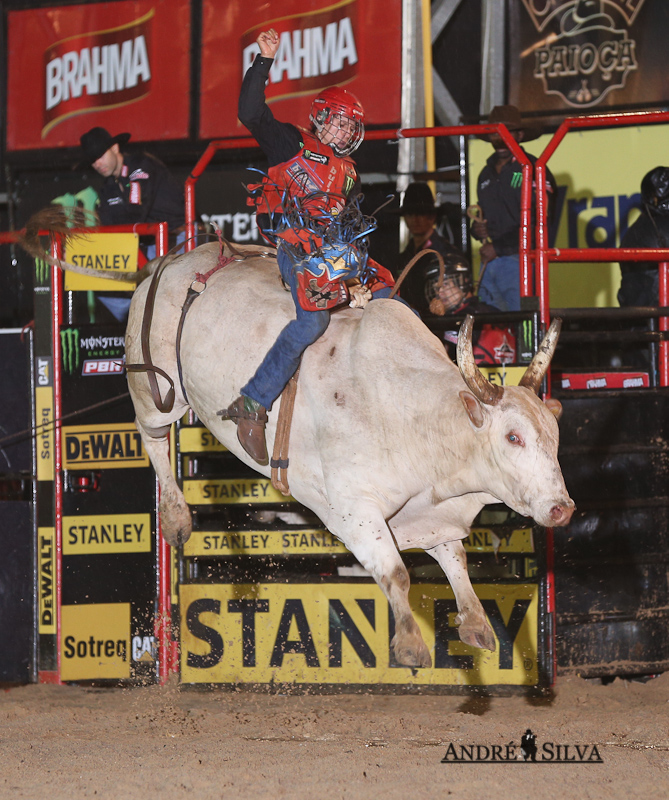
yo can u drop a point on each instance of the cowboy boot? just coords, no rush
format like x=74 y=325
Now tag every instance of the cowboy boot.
x=250 y=418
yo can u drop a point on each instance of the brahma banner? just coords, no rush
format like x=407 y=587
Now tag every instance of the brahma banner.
x=353 y=43
x=124 y=66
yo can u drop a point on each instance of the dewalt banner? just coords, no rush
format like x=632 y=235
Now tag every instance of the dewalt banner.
x=340 y=633
x=106 y=533
x=115 y=445
x=46 y=545
x=95 y=641
x=105 y=252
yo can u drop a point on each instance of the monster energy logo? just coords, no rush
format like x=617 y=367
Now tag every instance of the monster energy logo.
x=348 y=184
x=516 y=179
x=69 y=342
x=526 y=340
x=41 y=271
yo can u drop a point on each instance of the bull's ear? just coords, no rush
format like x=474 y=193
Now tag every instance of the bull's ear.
x=472 y=407
x=554 y=406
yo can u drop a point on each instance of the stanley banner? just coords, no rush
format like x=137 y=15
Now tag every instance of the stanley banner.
x=340 y=633
x=107 y=252
x=576 y=55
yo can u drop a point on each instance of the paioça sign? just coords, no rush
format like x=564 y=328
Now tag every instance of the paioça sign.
x=583 y=54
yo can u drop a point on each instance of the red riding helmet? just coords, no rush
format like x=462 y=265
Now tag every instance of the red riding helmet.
x=333 y=105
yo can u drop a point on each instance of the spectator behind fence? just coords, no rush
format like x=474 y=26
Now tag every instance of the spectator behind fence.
x=420 y=213
x=498 y=188
x=640 y=279
x=137 y=186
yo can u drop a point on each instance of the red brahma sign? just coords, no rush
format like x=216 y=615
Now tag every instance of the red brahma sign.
x=352 y=43
x=125 y=66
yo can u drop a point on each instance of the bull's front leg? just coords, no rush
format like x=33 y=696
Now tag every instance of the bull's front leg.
x=367 y=536
x=473 y=625
x=175 y=518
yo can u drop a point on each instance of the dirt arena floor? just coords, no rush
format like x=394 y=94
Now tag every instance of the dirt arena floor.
x=74 y=742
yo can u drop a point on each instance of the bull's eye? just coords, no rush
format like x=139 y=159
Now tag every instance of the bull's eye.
x=513 y=438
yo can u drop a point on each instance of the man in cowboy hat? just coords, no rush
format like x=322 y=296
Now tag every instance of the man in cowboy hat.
x=137 y=187
x=498 y=186
x=420 y=215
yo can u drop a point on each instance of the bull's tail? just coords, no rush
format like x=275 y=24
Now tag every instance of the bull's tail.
x=58 y=220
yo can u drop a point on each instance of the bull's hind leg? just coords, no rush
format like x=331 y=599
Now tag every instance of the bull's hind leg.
x=175 y=519
x=367 y=536
x=473 y=625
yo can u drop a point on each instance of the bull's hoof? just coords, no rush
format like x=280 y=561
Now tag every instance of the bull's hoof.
x=175 y=538
x=413 y=654
x=175 y=520
x=478 y=634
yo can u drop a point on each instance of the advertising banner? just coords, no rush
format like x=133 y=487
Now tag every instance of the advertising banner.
x=106 y=252
x=349 y=43
x=340 y=633
x=124 y=66
x=585 y=55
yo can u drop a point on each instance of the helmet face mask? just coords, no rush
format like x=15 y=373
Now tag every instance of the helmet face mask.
x=457 y=284
x=655 y=190
x=338 y=119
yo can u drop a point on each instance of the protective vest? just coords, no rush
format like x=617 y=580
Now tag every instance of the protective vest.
x=314 y=169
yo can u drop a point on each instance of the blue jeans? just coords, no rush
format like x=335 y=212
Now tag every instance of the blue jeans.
x=500 y=286
x=283 y=357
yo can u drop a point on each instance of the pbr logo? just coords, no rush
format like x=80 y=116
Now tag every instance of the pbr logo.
x=103 y=355
x=585 y=51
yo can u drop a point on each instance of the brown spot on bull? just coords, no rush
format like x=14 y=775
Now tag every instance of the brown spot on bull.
x=332 y=351
x=340 y=400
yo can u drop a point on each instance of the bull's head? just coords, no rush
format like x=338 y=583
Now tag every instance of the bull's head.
x=522 y=433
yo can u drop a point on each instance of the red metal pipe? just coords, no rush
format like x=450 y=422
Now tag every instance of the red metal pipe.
x=56 y=321
x=664 y=323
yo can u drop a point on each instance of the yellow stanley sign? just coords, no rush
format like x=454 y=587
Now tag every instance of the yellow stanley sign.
x=95 y=641
x=105 y=252
x=260 y=543
x=340 y=633
x=501 y=375
x=107 y=533
x=199 y=440
x=115 y=445
x=313 y=542
x=232 y=492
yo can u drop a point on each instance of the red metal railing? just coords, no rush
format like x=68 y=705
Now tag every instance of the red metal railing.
x=167 y=662
x=543 y=254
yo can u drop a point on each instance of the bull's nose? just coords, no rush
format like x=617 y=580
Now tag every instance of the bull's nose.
x=561 y=513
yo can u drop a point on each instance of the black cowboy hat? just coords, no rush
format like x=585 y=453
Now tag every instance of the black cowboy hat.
x=97 y=141
x=418 y=199
x=510 y=116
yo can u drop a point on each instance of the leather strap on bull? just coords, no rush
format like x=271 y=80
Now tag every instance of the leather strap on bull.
x=436 y=305
x=279 y=461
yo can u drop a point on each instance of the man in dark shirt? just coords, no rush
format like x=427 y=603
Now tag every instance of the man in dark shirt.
x=640 y=279
x=313 y=169
x=420 y=214
x=499 y=185
x=137 y=186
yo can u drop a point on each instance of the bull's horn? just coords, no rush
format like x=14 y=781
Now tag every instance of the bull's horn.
x=479 y=385
x=534 y=374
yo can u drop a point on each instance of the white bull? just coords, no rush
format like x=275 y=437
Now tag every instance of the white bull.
x=391 y=446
